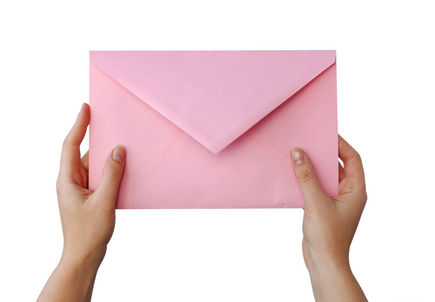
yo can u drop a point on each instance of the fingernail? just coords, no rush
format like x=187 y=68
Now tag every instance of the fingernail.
x=119 y=153
x=297 y=156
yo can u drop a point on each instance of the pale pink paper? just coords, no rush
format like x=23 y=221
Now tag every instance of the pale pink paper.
x=169 y=136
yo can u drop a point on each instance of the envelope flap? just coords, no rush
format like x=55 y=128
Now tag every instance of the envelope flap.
x=214 y=96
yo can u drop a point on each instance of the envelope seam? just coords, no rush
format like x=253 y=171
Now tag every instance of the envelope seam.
x=155 y=145
x=272 y=146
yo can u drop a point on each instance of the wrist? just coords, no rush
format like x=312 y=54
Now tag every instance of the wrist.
x=325 y=259
x=332 y=279
x=329 y=269
x=326 y=263
x=85 y=261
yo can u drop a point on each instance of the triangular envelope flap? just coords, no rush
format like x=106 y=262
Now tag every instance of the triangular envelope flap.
x=214 y=96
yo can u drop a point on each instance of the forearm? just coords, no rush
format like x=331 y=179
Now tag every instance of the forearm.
x=335 y=282
x=73 y=279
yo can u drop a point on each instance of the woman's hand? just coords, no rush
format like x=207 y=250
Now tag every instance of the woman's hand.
x=88 y=218
x=330 y=223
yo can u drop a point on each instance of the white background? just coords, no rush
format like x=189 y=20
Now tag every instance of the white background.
x=386 y=91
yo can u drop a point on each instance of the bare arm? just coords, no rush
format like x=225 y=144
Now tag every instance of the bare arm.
x=72 y=280
x=329 y=225
x=88 y=218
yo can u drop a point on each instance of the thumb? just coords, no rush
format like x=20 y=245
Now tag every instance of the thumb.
x=112 y=173
x=306 y=176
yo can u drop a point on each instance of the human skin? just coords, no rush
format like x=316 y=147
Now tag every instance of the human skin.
x=330 y=223
x=88 y=221
x=88 y=218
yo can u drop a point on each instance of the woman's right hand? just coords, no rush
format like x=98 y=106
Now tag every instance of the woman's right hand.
x=330 y=223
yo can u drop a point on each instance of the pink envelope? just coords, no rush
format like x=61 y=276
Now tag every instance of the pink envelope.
x=213 y=129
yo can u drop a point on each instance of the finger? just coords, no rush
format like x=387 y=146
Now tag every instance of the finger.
x=107 y=189
x=70 y=157
x=306 y=177
x=85 y=161
x=351 y=160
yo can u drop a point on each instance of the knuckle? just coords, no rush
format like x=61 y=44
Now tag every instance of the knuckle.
x=59 y=185
x=112 y=171
x=58 y=181
x=306 y=174
x=65 y=142
x=358 y=156
x=365 y=197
